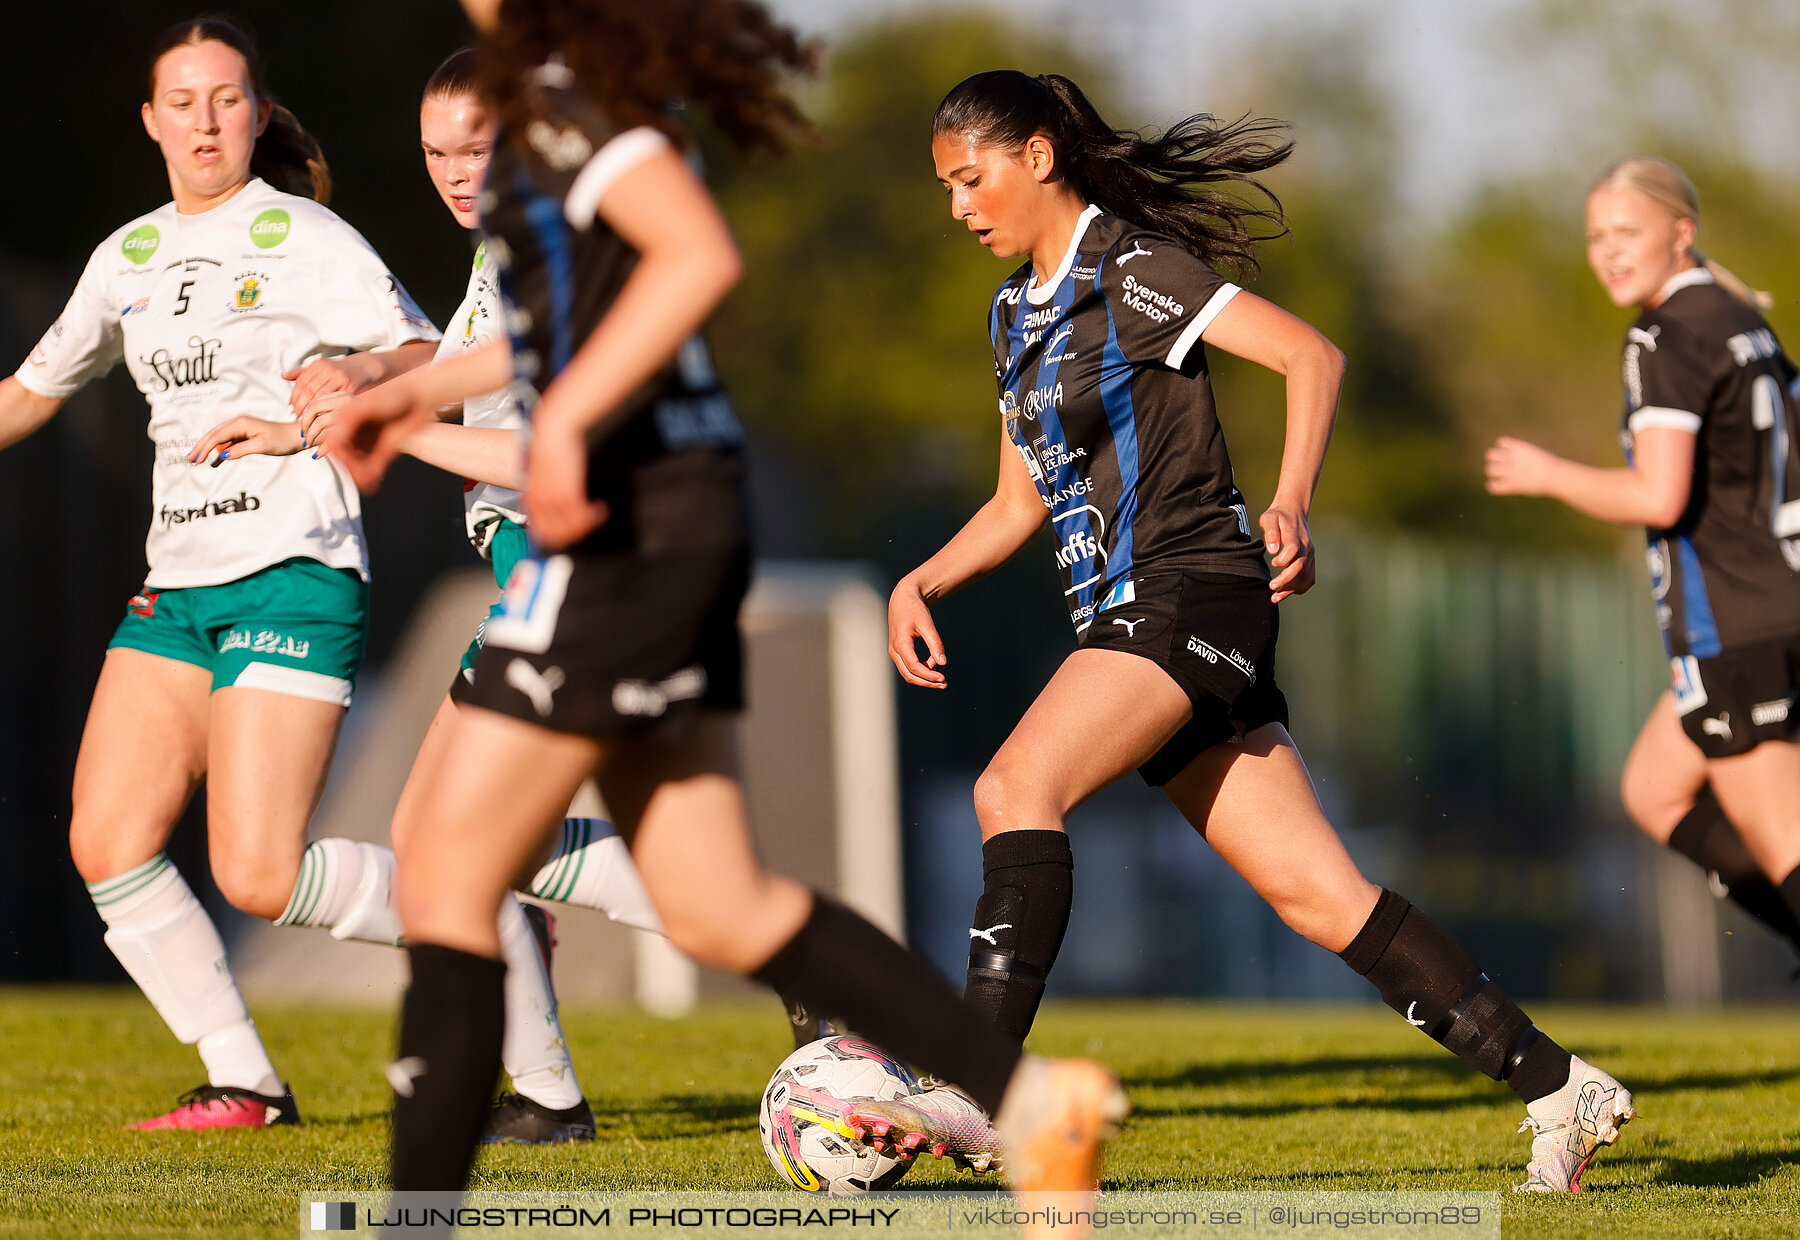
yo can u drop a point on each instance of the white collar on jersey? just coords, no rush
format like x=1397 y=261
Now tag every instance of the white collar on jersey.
x=1037 y=295
x=1681 y=279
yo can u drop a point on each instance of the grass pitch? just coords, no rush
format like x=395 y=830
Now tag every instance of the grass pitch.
x=1227 y=1096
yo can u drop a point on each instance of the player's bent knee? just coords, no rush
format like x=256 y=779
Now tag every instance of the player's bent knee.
x=100 y=854
x=1006 y=801
x=260 y=890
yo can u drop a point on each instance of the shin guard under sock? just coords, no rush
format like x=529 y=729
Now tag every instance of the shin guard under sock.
x=1028 y=883
x=450 y=1029
x=1428 y=977
x=1706 y=837
x=840 y=963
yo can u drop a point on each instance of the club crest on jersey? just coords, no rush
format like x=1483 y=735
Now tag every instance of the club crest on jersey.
x=249 y=291
x=143 y=604
x=1009 y=414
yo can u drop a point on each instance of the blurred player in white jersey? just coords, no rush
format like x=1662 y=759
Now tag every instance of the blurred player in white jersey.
x=1713 y=474
x=235 y=663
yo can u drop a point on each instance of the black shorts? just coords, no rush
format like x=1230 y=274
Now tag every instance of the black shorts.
x=1215 y=637
x=600 y=645
x=1732 y=703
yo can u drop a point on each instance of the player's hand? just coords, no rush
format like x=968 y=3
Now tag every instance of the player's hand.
x=319 y=421
x=557 y=506
x=909 y=623
x=246 y=436
x=1290 y=547
x=366 y=430
x=322 y=376
x=1515 y=467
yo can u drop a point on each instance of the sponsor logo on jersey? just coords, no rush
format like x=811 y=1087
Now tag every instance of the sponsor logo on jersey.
x=249 y=291
x=1764 y=713
x=241 y=502
x=265 y=641
x=1056 y=455
x=137 y=307
x=1076 y=548
x=1010 y=294
x=140 y=244
x=1212 y=654
x=1137 y=251
x=1038 y=319
x=1079 y=487
x=1039 y=399
x=1155 y=306
x=270 y=229
x=1720 y=727
x=1750 y=346
x=1083 y=273
x=560 y=146
x=199 y=366
x=1009 y=414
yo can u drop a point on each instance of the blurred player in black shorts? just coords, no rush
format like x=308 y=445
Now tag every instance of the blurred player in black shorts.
x=617 y=651
x=1109 y=434
x=1713 y=473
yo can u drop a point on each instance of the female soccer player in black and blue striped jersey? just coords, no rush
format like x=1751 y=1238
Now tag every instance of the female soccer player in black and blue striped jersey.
x=1713 y=473
x=1108 y=432
x=617 y=653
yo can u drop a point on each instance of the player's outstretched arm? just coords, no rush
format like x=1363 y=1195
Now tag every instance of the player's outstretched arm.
x=1652 y=491
x=247 y=436
x=989 y=539
x=369 y=428
x=479 y=453
x=354 y=372
x=1262 y=332
x=22 y=410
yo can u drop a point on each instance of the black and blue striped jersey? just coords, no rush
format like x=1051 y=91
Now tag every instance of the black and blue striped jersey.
x=561 y=270
x=1727 y=574
x=1104 y=392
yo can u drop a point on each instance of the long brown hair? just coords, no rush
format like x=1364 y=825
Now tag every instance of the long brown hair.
x=1169 y=183
x=634 y=60
x=286 y=156
x=1666 y=185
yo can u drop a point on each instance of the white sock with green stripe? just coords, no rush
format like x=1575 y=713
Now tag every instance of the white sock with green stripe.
x=534 y=1051
x=347 y=887
x=592 y=868
x=172 y=950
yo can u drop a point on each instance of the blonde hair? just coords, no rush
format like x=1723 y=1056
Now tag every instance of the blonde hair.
x=1669 y=188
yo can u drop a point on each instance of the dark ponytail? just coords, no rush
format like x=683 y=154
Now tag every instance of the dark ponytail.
x=286 y=156
x=1169 y=184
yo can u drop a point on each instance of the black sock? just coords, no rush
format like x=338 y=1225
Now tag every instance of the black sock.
x=1707 y=838
x=451 y=1023
x=1428 y=977
x=1028 y=883
x=840 y=963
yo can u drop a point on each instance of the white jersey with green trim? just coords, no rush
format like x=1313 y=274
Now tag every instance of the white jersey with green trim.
x=207 y=311
x=479 y=321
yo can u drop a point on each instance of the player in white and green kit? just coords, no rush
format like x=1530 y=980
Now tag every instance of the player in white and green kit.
x=236 y=661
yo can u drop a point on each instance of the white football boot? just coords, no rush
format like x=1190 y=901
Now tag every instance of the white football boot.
x=1569 y=1125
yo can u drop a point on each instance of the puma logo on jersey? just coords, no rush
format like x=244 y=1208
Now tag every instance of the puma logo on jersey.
x=1130 y=625
x=1137 y=250
x=540 y=687
x=1416 y=1024
x=1720 y=727
x=403 y=1072
x=989 y=933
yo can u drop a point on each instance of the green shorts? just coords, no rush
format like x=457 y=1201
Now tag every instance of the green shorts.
x=296 y=627
x=508 y=545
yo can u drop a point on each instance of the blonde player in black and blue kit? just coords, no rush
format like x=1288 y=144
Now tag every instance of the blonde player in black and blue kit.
x=1108 y=433
x=1713 y=474
x=236 y=661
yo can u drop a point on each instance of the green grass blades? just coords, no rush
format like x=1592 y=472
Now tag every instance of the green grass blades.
x=1226 y=1095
